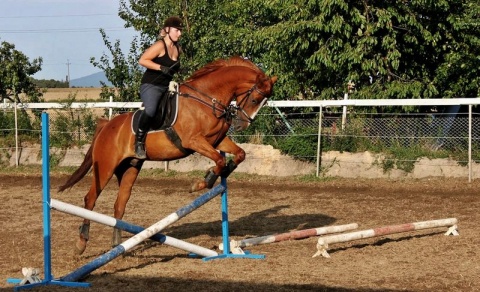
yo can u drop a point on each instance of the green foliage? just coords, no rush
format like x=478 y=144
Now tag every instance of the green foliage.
x=390 y=49
x=15 y=72
x=56 y=158
x=302 y=146
x=260 y=128
x=350 y=139
x=72 y=126
x=24 y=124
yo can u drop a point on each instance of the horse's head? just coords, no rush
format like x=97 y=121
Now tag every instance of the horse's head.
x=234 y=79
x=249 y=101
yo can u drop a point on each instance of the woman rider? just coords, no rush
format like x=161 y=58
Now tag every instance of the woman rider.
x=162 y=60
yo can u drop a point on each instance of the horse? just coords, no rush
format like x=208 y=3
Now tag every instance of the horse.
x=224 y=93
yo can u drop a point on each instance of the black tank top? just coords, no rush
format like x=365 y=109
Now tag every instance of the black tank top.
x=156 y=77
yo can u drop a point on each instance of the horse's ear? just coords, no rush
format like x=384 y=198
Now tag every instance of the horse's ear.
x=274 y=79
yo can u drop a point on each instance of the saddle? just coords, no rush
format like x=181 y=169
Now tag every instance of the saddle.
x=166 y=113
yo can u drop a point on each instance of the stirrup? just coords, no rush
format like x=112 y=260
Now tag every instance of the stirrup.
x=140 y=152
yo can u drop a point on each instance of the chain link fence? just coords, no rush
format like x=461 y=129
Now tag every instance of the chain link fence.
x=402 y=136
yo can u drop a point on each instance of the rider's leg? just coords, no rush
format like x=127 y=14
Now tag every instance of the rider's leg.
x=141 y=135
x=150 y=95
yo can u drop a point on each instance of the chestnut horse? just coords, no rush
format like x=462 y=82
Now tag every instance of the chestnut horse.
x=206 y=110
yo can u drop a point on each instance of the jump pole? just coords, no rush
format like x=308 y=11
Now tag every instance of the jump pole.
x=323 y=242
x=139 y=237
x=297 y=234
x=128 y=227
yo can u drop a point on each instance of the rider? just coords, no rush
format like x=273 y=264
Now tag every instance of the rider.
x=162 y=60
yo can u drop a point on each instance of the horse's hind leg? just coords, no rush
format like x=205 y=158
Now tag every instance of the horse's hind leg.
x=99 y=181
x=126 y=174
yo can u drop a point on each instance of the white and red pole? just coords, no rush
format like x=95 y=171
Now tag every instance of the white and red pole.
x=323 y=242
x=297 y=234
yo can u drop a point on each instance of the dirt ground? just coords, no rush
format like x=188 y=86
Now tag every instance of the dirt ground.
x=412 y=261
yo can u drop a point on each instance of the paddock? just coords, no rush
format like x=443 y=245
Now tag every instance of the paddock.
x=423 y=260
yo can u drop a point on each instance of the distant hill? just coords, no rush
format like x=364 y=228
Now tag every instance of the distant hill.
x=92 y=80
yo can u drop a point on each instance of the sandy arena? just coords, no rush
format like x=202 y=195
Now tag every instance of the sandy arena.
x=412 y=261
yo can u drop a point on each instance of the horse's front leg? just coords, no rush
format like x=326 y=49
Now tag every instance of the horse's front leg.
x=221 y=168
x=228 y=146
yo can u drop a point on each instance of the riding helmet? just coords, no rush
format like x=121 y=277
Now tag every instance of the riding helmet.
x=174 y=21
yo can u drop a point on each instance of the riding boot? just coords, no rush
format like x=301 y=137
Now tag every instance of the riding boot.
x=141 y=135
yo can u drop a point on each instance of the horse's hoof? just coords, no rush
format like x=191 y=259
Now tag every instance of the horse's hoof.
x=193 y=188
x=197 y=186
x=80 y=246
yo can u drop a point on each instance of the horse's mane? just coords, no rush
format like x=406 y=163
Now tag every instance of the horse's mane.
x=220 y=63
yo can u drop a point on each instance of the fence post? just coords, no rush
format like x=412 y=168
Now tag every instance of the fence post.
x=469 y=143
x=344 y=113
x=16 y=134
x=110 y=111
x=319 y=142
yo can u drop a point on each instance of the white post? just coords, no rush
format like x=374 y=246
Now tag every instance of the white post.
x=16 y=135
x=344 y=115
x=350 y=87
x=319 y=141
x=110 y=110
x=469 y=143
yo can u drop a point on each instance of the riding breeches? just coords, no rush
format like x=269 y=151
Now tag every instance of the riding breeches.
x=151 y=96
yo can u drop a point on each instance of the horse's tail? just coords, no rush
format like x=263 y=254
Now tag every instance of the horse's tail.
x=87 y=161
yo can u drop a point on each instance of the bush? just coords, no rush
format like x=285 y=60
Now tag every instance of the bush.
x=302 y=146
x=28 y=128
x=72 y=127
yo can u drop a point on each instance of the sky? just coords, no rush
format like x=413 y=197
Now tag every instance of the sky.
x=65 y=33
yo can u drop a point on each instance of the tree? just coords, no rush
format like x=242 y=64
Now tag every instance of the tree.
x=51 y=83
x=122 y=71
x=15 y=73
x=389 y=49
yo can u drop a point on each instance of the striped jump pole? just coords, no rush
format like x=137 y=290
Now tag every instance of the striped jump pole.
x=128 y=227
x=145 y=234
x=297 y=234
x=323 y=242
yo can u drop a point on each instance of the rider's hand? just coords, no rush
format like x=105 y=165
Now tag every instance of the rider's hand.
x=165 y=69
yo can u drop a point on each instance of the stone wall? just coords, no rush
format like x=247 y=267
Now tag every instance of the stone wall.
x=265 y=160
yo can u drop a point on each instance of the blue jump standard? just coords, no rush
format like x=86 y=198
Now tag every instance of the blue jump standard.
x=225 y=231
x=46 y=220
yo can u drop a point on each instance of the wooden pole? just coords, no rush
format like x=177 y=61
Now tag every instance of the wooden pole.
x=323 y=242
x=297 y=234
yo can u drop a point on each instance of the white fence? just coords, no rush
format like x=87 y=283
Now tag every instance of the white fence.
x=322 y=106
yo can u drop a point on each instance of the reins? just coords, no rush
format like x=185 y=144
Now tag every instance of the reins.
x=214 y=104
x=230 y=112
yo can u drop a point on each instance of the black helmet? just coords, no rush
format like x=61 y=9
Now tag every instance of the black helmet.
x=174 y=21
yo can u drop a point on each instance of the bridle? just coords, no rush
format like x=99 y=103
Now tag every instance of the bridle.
x=229 y=112
x=239 y=105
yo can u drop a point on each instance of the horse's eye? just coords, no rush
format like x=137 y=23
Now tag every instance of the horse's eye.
x=254 y=101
